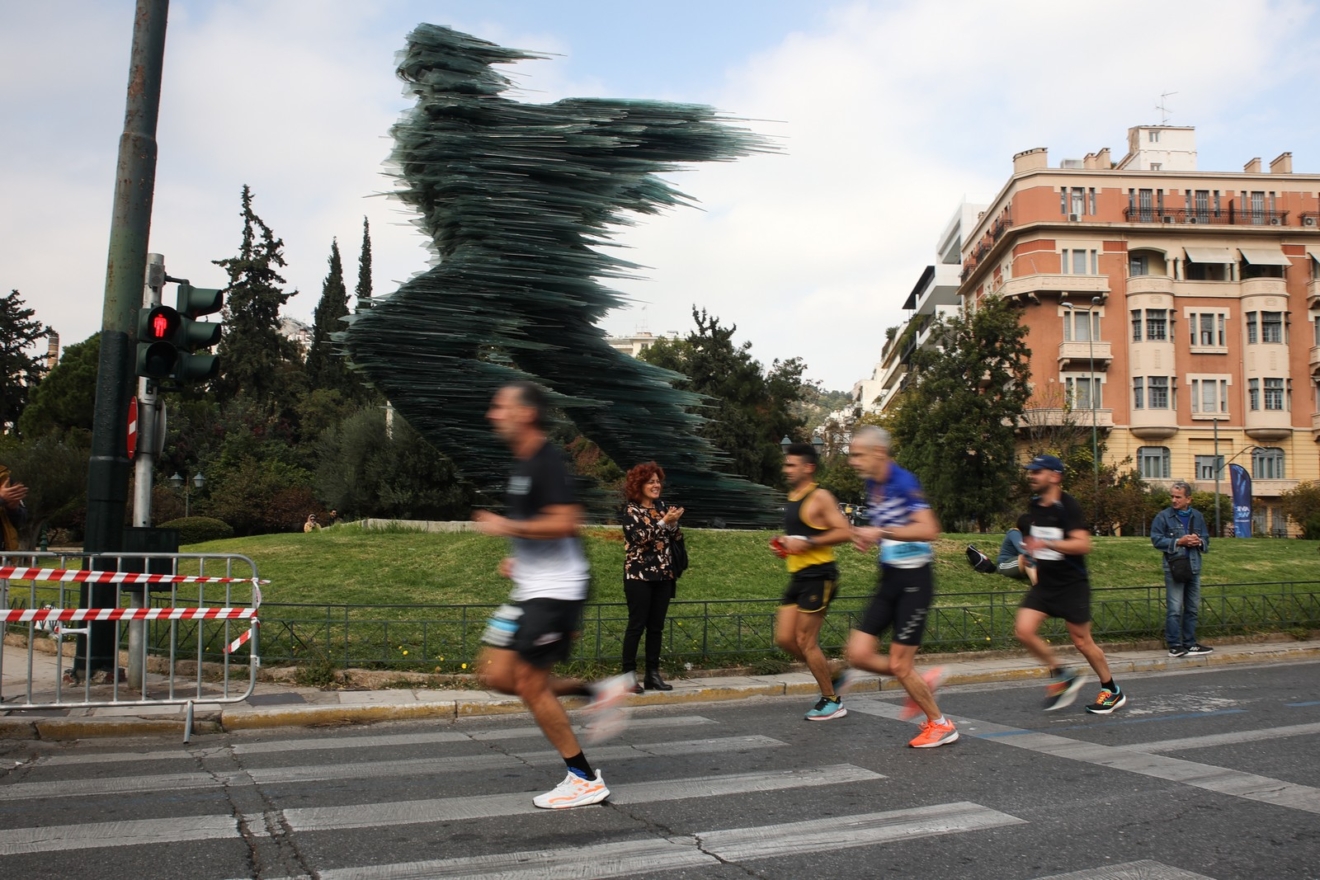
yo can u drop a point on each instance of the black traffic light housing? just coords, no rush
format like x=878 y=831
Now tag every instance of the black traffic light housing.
x=171 y=342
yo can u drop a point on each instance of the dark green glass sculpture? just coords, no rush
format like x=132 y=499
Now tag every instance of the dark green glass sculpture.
x=518 y=201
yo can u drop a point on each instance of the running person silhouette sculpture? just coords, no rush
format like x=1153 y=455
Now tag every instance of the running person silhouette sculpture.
x=518 y=200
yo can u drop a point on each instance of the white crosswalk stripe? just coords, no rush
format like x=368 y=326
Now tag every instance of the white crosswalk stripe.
x=1142 y=870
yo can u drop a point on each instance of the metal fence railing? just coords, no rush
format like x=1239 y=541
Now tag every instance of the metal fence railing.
x=445 y=637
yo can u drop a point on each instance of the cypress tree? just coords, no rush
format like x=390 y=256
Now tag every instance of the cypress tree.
x=325 y=366
x=363 y=291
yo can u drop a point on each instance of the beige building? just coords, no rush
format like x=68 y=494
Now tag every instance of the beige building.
x=1180 y=307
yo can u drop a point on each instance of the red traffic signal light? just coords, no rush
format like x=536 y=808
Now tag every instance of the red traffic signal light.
x=157 y=357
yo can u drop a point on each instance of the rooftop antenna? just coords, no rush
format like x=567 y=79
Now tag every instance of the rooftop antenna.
x=643 y=326
x=1164 y=111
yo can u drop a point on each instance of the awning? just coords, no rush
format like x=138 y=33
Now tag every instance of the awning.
x=1265 y=257
x=1209 y=255
x=1314 y=252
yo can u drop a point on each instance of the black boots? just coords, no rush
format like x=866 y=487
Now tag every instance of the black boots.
x=653 y=681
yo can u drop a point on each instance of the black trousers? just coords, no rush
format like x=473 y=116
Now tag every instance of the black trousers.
x=648 y=603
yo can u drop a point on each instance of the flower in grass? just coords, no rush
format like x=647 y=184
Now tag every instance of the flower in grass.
x=465 y=666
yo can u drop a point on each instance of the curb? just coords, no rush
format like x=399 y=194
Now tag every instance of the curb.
x=228 y=718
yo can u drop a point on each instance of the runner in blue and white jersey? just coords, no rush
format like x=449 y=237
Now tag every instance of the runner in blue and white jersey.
x=903 y=525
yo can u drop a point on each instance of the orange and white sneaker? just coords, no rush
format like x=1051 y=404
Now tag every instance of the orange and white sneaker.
x=574 y=791
x=933 y=679
x=934 y=734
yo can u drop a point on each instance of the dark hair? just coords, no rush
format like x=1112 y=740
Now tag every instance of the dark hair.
x=533 y=397
x=638 y=477
x=804 y=451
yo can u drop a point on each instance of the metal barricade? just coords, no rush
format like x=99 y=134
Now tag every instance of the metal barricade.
x=172 y=631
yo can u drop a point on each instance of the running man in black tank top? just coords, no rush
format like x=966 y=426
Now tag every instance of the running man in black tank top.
x=813 y=524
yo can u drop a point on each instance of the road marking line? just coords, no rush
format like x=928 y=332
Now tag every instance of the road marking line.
x=1224 y=739
x=1302 y=705
x=517 y=803
x=1145 y=869
x=136 y=832
x=111 y=785
x=703 y=850
x=1205 y=776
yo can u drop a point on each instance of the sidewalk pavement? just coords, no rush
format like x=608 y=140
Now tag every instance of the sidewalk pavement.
x=280 y=705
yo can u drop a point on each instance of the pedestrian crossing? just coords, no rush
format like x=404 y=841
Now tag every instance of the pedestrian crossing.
x=633 y=849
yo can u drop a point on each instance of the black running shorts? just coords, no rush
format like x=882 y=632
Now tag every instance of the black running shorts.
x=1071 y=602
x=902 y=600
x=812 y=589
x=540 y=630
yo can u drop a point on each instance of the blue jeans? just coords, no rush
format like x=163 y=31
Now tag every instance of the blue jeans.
x=1183 y=603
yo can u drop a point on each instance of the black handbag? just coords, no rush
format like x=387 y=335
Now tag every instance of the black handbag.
x=1180 y=569
x=678 y=557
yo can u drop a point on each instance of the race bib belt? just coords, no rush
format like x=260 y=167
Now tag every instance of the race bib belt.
x=905 y=554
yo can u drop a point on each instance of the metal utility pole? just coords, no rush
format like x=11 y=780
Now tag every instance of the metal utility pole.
x=135 y=179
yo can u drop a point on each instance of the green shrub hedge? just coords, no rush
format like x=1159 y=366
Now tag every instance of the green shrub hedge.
x=196 y=529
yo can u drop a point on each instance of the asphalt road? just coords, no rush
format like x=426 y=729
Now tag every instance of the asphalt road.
x=1207 y=773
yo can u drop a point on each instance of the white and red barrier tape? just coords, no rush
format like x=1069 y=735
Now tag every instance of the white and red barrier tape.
x=73 y=575
x=29 y=615
x=242 y=640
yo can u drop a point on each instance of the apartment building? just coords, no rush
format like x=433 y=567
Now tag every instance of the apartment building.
x=1179 y=308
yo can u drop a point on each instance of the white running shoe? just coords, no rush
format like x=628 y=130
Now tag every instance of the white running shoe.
x=606 y=716
x=574 y=791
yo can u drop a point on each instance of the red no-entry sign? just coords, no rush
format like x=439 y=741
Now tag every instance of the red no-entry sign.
x=132 y=427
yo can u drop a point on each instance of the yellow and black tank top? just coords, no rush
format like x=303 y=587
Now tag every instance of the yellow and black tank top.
x=795 y=524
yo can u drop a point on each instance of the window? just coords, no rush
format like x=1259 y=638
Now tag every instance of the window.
x=1209 y=396
x=1157 y=325
x=1156 y=166
x=1153 y=462
x=1138 y=264
x=1144 y=202
x=1083 y=392
x=1079 y=326
x=1158 y=388
x=1271 y=326
x=1201 y=206
x=1267 y=464
x=1078 y=262
x=1154 y=137
x=1136 y=325
x=1074 y=201
x=1316 y=321
x=1208 y=465
x=1138 y=392
x=1274 y=394
x=1253 y=393
x=1091 y=193
x=1257 y=208
x=1252 y=335
x=1207 y=329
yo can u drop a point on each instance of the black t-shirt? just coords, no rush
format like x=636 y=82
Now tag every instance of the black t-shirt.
x=1054 y=522
x=544 y=568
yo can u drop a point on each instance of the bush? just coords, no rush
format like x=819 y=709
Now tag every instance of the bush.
x=197 y=529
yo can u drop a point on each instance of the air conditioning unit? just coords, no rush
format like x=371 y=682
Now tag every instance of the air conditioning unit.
x=1276 y=221
x=1192 y=219
x=1169 y=218
x=1074 y=217
x=1308 y=221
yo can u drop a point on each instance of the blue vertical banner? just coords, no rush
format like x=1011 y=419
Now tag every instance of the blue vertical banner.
x=1241 y=500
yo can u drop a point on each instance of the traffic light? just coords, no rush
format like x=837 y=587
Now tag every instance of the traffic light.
x=193 y=335
x=158 y=328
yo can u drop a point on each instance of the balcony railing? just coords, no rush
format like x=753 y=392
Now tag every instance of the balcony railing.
x=1082 y=353
x=1228 y=216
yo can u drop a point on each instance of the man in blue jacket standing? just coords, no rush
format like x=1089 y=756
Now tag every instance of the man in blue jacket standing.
x=1180 y=533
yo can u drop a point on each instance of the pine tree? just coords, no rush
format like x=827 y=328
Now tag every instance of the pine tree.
x=325 y=366
x=956 y=423
x=255 y=358
x=363 y=291
x=20 y=370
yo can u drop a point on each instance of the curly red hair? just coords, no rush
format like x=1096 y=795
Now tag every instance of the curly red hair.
x=638 y=477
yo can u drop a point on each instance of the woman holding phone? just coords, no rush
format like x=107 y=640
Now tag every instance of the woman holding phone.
x=650 y=533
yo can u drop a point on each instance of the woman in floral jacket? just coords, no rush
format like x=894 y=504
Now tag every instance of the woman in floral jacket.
x=650 y=531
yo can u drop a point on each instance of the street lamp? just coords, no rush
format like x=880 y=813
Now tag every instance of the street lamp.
x=785 y=443
x=1095 y=432
x=179 y=483
x=818 y=442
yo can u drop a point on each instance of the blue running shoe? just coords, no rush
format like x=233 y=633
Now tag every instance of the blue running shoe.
x=827 y=710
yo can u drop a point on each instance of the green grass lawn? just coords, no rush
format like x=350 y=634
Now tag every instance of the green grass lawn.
x=350 y=566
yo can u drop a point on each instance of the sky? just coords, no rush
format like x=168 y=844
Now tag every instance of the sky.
x=888 y=115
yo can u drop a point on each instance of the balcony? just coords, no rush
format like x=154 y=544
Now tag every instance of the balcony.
x=1149 y=284
x=1027 y=285
x=1264 y=287
x=1268 y=425
x=1078 y=355
x=1154 y=424
x=1228 y=215
x=1057 y=416
x=1313 y=360
x=1315 y=427
x=1310 y=220
x=1270 y=488
x=1313 y=295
